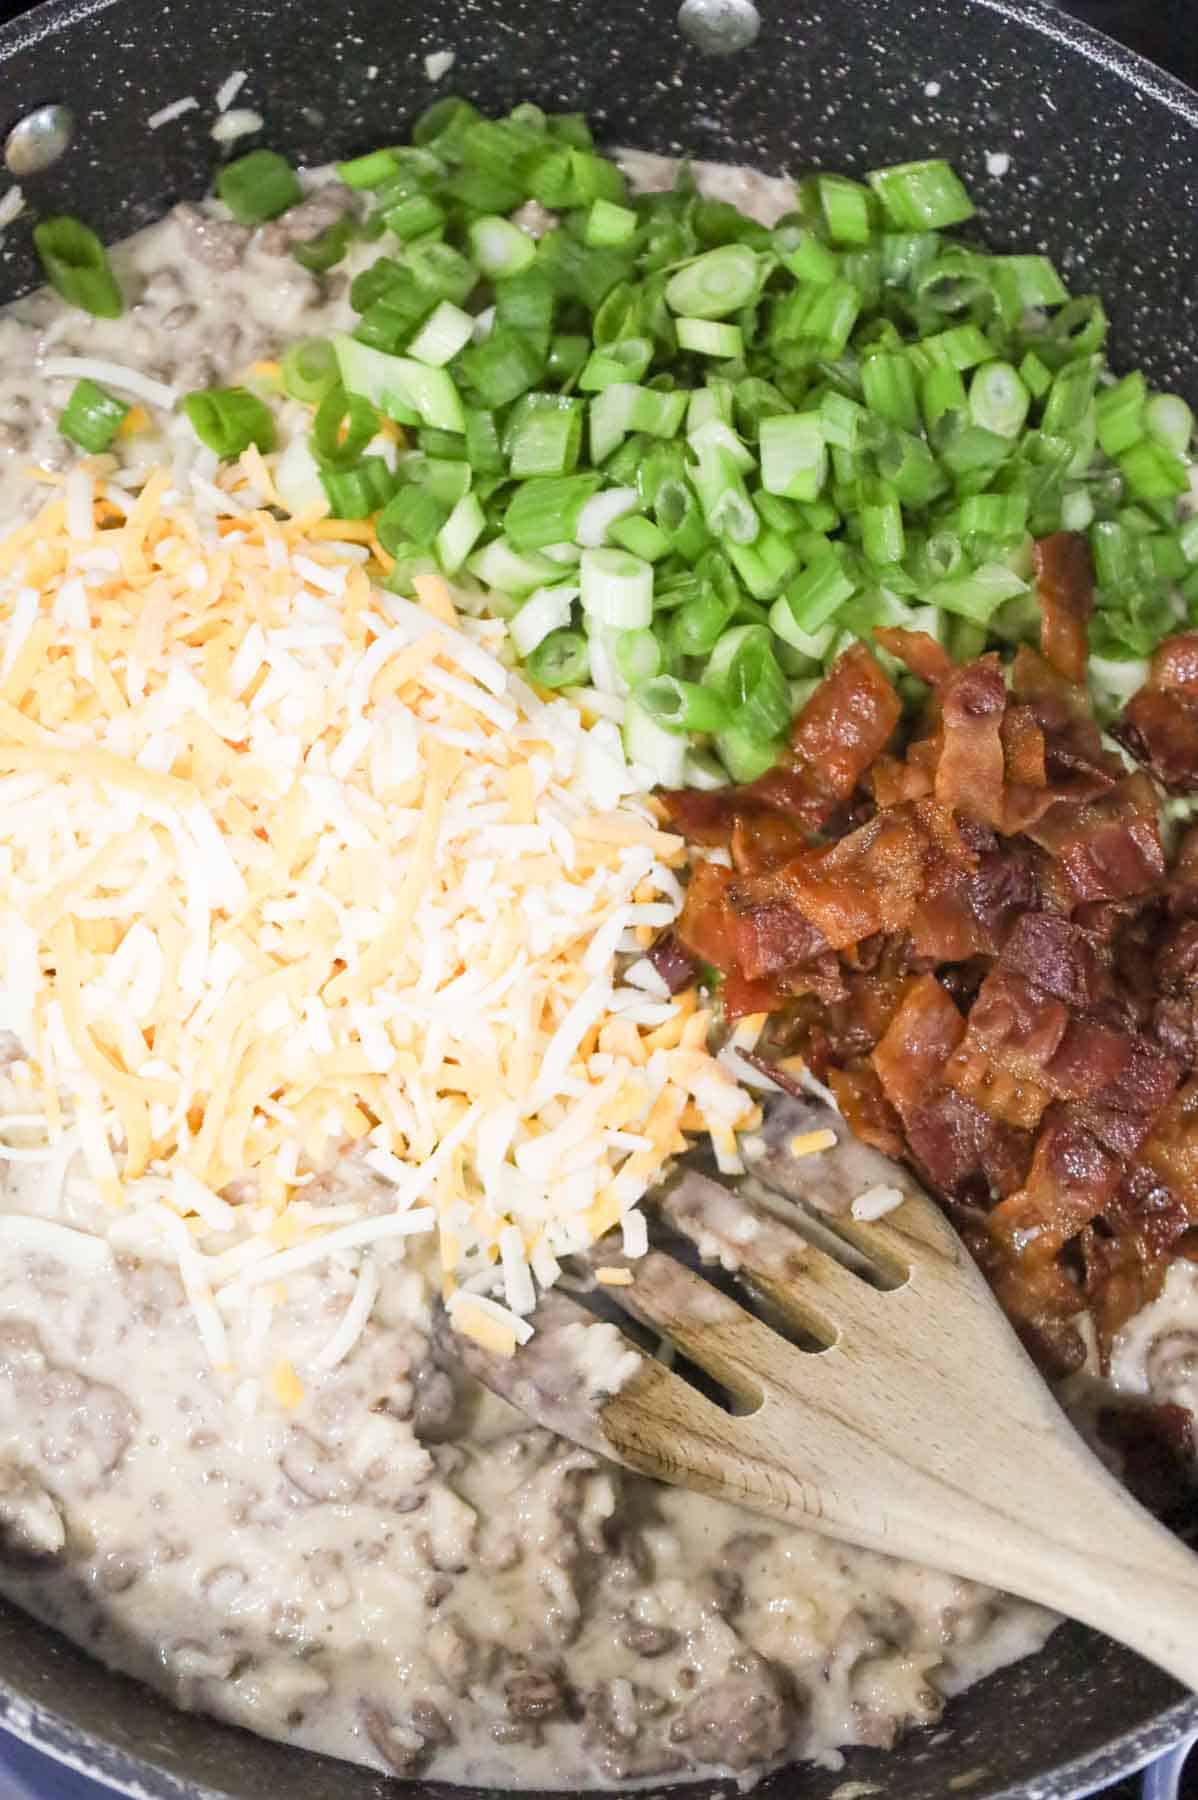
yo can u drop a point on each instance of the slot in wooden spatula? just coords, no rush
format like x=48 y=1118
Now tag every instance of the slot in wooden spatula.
x=920 y=1429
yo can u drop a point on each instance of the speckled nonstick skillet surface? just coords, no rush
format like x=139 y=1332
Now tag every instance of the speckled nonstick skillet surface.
x=1103 y=175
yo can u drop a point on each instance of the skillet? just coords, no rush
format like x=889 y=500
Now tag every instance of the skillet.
x=1103 y=168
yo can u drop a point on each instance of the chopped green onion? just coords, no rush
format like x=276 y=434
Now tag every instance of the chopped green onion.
x=411 y=516
x=756 y=692
x=460 y=532
x=819 y=593
x=994 y=515
x=710 y=337
x=547 y=609
x=229 y=420
x=358 y=492
x=327 y=249
x=343 y=426
x=889 y=390
x=506 y=570
x=499 y=247
x=882 y=536
x=1024 y=282
x=546 y=442
x=745 y=757
x=998 y=400
x=91 y=417
x=794 y=456
x=961 y=347
x=1119 y=411
x=608 y=224
x=503 y=367
x=845 y=207
x=978 y=595
x=637 y=656
x=652 y=747
x=1153 y=472
x=683 y=705
x=922 y=196
x=446 y=331
x=640 y=535
x=259 y=187
x=626 y=360
x=408 y=391
x=1170 y=421
x=415 y=216
x=617 y=588
x=484 y=450
x=309 y=370
x=369 y=171
x=715 y=284
x=560 y=660
x=805 y=254
x=568 y=352
x=77 y=266
x=546 y=511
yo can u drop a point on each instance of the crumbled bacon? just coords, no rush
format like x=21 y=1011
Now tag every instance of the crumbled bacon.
x=975 y=939
x=1065 y=590
x=1160 y=723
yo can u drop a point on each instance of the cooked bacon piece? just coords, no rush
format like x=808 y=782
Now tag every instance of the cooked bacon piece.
x=867 y=1112
x=848 y=721
x=918 y=651
x=971 y=770
x=969 y=912
x=1058 y=955
x=771 y=934
x=1013 y=1031
x=704 y=925
x=1160 y=728
x=868 y=882
x=1065 y=590
x=845 y=725
x=1024 y=748
x=1160 y=723
x=1121 y=1114
x=1107 y=848
x=673 y=962
x=923 y=1034
x=1072 y=1180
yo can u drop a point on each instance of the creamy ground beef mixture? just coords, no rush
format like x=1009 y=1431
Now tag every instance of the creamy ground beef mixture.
x=399 y=1569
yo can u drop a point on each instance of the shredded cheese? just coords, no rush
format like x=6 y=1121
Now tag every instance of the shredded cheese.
x=293 y=869
x=811 y=1143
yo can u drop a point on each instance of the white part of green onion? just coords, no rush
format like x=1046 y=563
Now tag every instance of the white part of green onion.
x=297 y=478
x=499 y=247
x=460 y=532
x=794 y=455
x=617 y=588
x=545 y=610
x=601 y=512
x=446 y=331
x=660 y=753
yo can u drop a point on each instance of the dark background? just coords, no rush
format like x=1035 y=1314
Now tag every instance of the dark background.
x=1166 y=31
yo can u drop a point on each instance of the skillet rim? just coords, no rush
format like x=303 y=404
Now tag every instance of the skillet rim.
x=52 y=1733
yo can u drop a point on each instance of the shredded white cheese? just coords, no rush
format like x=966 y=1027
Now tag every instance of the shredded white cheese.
x=166 y=114
x=229 y=89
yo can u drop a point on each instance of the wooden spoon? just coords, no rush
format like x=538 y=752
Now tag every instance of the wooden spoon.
x=919 y=1427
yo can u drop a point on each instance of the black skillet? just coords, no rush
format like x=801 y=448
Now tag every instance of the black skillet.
x=1103 y=175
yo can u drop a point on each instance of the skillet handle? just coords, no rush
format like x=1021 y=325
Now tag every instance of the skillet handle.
x=1162 y=1779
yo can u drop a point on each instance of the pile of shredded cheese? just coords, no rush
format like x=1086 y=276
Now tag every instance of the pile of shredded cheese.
x=292 y=868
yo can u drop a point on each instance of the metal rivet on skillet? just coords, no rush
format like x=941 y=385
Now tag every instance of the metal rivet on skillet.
x=717 y=27
x=39 y=139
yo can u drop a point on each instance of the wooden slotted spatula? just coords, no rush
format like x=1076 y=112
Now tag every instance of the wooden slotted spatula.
x=920 y=1429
